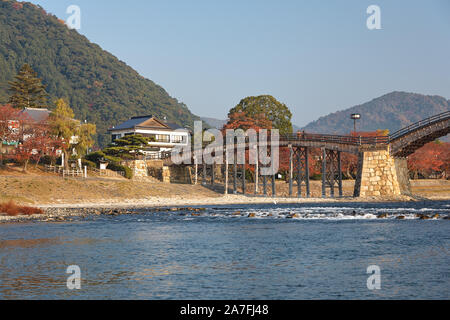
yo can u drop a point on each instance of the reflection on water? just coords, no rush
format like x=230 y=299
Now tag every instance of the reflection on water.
x=29 y=243
x=282 y=252
x=156 y=272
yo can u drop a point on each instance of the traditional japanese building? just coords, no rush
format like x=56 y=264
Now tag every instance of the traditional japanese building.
x=19 y=125
x=36 y=115
x=165 y=135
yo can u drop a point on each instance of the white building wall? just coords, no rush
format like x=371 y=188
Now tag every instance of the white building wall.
x=168 y=145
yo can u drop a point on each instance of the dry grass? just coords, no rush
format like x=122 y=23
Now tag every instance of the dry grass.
x=44 y=190
x=16 y=170
x=36 y=188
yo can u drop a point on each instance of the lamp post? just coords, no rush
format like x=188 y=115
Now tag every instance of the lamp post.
x=87 y=148
x=354 y=117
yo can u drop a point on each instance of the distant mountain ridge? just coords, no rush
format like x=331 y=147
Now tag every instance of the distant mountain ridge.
x=213 y=122
x=392 y=111
x=98 y=86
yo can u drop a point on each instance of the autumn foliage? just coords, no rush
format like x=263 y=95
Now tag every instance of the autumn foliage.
x=12 y=209
x=32 y=139
x=240 y=120
x=432 y=160
x=8 y=117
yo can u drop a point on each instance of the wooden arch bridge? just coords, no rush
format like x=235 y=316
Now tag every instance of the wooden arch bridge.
x=382 y=166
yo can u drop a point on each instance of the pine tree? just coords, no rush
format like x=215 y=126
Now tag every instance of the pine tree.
x=27 y=90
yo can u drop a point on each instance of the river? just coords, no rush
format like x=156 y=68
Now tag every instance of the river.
x=322 y=252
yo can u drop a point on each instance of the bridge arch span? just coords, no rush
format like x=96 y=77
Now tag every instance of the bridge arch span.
x=406 y=141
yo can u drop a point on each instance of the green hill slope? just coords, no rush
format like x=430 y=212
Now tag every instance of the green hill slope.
x=99 y=87
x=392 y=111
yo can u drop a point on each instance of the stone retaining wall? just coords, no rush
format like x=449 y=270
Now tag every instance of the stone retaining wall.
x=157 y=170
x=377 y=175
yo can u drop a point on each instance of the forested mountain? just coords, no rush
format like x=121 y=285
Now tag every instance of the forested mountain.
x=392 y=111
x=98 y=86
x=214 y=123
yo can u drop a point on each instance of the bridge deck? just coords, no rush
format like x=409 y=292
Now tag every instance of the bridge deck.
x=402 y=143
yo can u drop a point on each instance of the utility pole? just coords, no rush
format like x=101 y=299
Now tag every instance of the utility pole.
x=87 y=147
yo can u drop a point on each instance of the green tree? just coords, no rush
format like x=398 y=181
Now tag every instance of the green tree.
x=63 y=126
x=74 y=134
x=27 y=90
x=85 y=137
x=127 y=147
x=268 y=107
x=100 y=87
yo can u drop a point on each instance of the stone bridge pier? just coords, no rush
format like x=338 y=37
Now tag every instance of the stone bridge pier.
x=380 y=174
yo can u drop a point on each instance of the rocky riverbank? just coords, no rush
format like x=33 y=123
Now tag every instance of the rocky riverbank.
x=60 y=214
x=67 y=213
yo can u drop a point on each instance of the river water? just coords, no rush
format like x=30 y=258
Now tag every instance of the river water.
x=321 y=253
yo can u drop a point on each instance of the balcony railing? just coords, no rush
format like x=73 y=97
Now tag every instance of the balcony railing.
x=175 y=141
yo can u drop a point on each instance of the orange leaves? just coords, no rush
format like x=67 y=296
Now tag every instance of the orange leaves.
x=9 y=117
x=377 y=133
x=18 y=5
x=240 y=120
x=12 y=209
x=432 y=158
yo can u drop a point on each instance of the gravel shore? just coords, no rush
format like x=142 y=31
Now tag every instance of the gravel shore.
x=67 y=211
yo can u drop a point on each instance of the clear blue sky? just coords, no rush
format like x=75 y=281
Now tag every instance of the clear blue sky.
x=316 y=56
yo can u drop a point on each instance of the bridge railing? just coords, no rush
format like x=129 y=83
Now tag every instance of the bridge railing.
x=352 y=140
x=326 y=138
x=419 y=124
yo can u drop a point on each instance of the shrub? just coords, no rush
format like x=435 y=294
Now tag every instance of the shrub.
x=95 y=156
x=114 y=166
x=316 y=176
x=128 y=172
x=28 y=211
x=113 y=159
x=126 y=156
x=7 y=160
x=249 y=175
x=12 y=209
x=88 y=163
x=47 y=160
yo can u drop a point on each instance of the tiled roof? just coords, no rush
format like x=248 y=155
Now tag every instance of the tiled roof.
x=175 y=126
x=144 y=122
x=130 y=124
x=37 y=115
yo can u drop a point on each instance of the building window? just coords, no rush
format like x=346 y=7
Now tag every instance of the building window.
x=179 y=139
x=163 y=138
